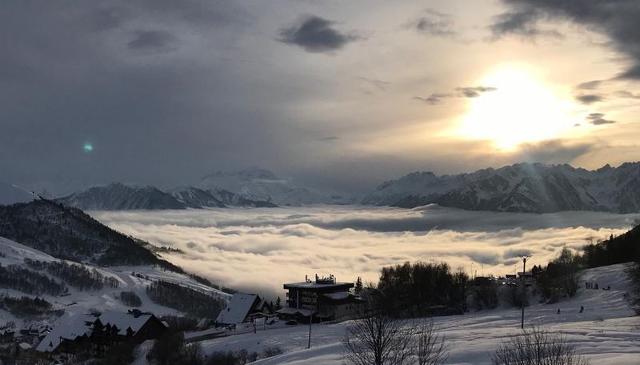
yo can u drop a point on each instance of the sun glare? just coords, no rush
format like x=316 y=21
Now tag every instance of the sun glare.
x=520 y=109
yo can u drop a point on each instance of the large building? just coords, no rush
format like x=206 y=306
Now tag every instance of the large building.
x=323 y=299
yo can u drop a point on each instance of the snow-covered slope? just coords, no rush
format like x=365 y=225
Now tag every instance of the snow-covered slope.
x=11 y=194
x=606 y=332
x=119 y=196
x=130 y=278
x=258 y=184
x=69 y=233
x=519 y=188
x=196 y=198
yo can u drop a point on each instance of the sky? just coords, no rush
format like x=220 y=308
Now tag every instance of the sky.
x=248 y=249
x=336 y=94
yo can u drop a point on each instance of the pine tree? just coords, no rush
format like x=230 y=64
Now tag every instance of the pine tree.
x=278 y=303
x=358 y=288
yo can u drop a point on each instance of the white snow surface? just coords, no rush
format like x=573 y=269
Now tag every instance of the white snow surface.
x=131 y=278
x=607 y=332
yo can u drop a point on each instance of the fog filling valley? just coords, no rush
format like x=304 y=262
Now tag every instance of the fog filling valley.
x=260 y=249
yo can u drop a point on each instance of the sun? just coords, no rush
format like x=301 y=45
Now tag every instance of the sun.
x=518 y=109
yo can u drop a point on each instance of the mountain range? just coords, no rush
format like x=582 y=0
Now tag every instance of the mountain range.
x=524 y=187
x=257 y=184
x=253 y=187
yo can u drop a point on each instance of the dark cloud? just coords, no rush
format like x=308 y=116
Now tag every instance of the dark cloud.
x=434 y=98
x=434 y=23
x=626 y=94
x=589 y=98
x=598 y=119
x=618 y=19
x=523 y=23
x=486 y=258
x=377 y=83
x=516 y=252
x=459 y=92
x=315 y=34
x=589 y=85
x=474 y=91
x=554 y=151
x=152 y=40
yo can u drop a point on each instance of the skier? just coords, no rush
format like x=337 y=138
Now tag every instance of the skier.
x=581 y=308
x=558 y=310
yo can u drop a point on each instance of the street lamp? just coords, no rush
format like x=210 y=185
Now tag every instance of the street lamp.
x=524 y=289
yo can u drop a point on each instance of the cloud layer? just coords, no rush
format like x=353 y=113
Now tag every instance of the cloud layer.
x=260 y=249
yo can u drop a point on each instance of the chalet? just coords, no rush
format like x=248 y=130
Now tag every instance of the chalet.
x=322 y=299
x=73 y=332
x=243 y=308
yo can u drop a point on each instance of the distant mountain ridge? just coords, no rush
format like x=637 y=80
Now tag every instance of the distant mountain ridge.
x=523 y=187
x=118 y=196
x=257 y=184
x=252 y=187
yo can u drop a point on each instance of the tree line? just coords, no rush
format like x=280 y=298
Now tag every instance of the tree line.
x=419 y=289
x=29 y=282
x=184 y=299
x=25 y=307
x=77 y=276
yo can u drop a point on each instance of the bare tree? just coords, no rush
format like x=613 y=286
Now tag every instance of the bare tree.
x=377 y=339
x=430 y=348
x=537 y=347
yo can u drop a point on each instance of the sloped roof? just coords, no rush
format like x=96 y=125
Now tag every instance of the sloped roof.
x=237 y=309
x=68 y=328
x=72 y=327
x=124 y=320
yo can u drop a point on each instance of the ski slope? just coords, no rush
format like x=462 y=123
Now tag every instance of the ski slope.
x=78 y=302
x=607 y=332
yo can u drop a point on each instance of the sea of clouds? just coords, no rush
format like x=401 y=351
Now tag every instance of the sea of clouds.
x=260 y=249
